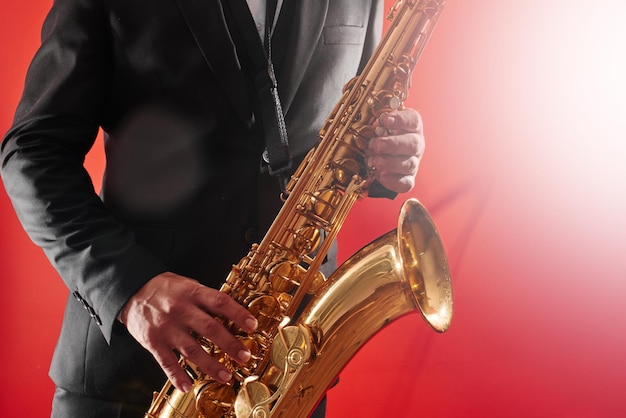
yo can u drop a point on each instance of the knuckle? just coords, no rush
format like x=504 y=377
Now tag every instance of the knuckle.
x=170 y=367
x=211 y=328
x=168 y=363
x=194 y=289
x=413 y=164
x=417 y=145
x=192 y=351
x=380 y=162
x=407 y=118
x=221 y=300
x=414 y=119
x=395 y=142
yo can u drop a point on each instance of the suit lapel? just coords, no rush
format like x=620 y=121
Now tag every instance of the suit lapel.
x=207 y=23
x=297 y=33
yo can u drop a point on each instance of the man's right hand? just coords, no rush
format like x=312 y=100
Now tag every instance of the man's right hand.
x=166 y=313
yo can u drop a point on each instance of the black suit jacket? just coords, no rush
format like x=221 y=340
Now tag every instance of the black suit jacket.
x=164 y=80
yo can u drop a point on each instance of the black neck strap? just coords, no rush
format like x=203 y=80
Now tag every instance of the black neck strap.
x=270 y=16
x=277 y=146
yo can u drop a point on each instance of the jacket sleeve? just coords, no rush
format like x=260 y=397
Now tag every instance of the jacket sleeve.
x=42 y=158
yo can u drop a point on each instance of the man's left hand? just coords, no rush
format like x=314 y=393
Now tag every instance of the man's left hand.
x=395 y=155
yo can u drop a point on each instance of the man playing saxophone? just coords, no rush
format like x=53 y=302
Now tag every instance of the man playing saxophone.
x=186 y=190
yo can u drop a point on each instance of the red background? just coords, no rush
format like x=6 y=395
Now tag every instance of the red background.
x=524 y=104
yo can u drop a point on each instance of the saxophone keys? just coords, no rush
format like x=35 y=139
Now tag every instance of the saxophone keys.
x=214 y=399
x=363 y=135
x=345 y=170
x=267 y=310
x=384 y=102
x=394 y=102
x=291 y=349
x=285 y=275
x=318 y=282
x=306 y=239
x=253 y=399
x=325 y=202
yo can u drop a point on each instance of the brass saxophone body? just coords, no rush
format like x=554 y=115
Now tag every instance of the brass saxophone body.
x=295 y=361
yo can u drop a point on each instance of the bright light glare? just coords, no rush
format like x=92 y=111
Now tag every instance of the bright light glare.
x=565 y=70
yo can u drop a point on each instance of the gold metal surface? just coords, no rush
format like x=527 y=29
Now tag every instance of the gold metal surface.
x=400 y=272
x=294 y=362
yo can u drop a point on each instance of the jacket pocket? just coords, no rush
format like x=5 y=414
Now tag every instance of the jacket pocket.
x=352 y=35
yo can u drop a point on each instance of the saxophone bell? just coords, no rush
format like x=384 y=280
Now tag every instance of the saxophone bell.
x=402 y=271
x=424 y=264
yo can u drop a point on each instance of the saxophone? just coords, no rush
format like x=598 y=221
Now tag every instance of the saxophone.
x=295 y=361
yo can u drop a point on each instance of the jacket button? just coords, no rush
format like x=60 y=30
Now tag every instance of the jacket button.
x=251 y=235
